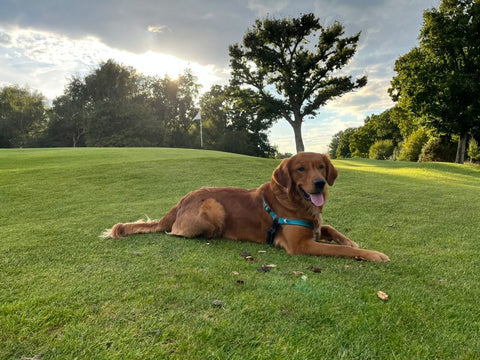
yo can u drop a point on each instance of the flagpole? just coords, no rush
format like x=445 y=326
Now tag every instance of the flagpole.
x=199 y=117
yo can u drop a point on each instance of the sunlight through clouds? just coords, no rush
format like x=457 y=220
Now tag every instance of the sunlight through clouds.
x=44 y=59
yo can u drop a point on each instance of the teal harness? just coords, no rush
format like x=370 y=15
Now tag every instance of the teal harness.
x=277 y=221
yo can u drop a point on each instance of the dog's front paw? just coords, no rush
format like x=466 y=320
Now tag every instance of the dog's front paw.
x=371 y=255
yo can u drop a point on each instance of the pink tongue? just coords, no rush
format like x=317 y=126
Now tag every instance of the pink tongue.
x=317 y=199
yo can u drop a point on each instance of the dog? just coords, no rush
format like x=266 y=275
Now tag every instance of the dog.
x=285 y=212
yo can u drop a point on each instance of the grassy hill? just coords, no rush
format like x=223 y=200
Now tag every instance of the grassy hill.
x=65 y=293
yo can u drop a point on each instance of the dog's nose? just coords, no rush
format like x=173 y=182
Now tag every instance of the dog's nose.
x=319 y=184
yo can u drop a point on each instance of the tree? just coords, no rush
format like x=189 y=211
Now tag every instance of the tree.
x=334 y=144
x=381 y=150
x=23 y=116
x=68 y=123
x=343 y=149
x=291 y=80
x=377 y=127
x=234 y=123
x=440 y=80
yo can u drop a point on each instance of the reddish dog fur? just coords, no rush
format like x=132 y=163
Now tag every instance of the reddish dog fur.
x=239 y=214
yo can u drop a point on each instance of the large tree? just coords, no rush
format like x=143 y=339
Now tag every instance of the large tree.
x=292 y=79
x=440 y=79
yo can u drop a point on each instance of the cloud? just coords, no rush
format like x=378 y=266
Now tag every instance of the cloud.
x=46 y=60
x=159 y=29
x=266 y=7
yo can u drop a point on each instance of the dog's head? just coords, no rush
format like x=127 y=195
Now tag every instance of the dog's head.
x=304 y=177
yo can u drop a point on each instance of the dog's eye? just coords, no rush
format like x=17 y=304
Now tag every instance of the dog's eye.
x=321 y=167
x=301 y=169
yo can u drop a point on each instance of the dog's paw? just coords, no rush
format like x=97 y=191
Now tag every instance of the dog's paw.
x=372 y=255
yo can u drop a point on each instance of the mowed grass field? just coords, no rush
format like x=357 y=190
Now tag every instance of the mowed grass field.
x=67 y=294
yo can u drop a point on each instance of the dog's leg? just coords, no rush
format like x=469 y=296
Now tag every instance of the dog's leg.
x=331 y=234
x=200 y=219
x=301 y=242
x=310 y=247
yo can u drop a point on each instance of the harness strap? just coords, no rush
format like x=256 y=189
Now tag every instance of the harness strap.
x=277 y=221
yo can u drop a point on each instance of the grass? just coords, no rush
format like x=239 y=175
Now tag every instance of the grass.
x=65 y=293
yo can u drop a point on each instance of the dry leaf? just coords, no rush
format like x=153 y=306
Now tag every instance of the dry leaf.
x=217 y=303
x=264 y=268
x=382 y=296
x=261 y=251
x=270 y=266
x=235 y=273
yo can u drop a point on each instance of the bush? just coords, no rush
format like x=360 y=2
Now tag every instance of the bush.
x=381 y=150
x=439 y=149
x=473 y=151
x=412 y=148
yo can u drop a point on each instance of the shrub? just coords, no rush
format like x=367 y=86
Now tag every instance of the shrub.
x=473 y=151
x=381 y=150
x=413 y=146
x=438 y=149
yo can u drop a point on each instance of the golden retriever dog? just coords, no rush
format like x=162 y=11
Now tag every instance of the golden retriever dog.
x=285 y=212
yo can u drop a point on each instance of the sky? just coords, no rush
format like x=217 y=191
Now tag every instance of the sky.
x=44 y=43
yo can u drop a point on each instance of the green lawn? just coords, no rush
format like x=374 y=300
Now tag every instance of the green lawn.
x=67 y=294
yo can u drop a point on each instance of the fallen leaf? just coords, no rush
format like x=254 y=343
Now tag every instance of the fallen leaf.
x=382 y=296
x=295 y=272
x=261 y=251
x=247 y=256
x=217 y=303
x=235 y=273
x=317 y=270
x=263 y=268
x=270 y=266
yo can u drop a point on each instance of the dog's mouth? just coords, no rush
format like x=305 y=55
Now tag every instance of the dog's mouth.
x=316 y=199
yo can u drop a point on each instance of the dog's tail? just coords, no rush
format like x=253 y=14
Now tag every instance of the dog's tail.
x=142 y=226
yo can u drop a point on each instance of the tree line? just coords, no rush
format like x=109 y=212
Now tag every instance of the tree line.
x=116 y=106
x=436 y=90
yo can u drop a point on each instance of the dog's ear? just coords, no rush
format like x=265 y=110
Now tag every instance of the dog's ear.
x=281 y=175
x=332 y=173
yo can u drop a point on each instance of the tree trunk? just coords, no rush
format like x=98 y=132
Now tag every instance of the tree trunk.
x=297 y=129
x=462 y=144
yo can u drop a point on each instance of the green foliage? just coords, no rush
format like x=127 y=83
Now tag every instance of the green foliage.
x=114 y=106
x=343 y=148
x=290 y=78
x=66 y=294
x=412 y=147
x=235 y=121
x=438 y=149
x=23 y=117
x=334 y=144
x=381 y=150
x=439 y=80
x=357 y=142
x=473 y=150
